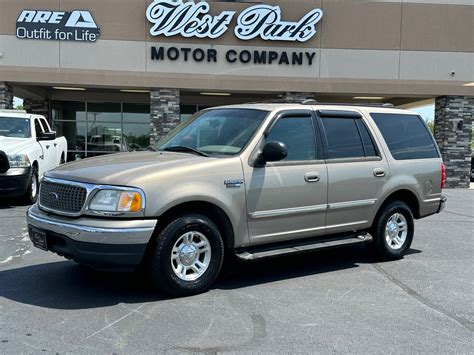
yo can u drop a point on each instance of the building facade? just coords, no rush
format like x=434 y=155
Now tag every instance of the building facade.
x=116 y=75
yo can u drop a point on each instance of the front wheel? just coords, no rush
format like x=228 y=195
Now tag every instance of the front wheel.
x=393 y=231
x=186 y=257
x=31 y=194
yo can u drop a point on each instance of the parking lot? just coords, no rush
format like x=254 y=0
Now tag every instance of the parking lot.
x=324 y=302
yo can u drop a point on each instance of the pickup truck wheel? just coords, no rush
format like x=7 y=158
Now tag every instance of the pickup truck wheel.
x=186 y=257
x=31 y=194
x=393 y=231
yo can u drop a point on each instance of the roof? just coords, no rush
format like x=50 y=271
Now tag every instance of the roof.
x=16 y=114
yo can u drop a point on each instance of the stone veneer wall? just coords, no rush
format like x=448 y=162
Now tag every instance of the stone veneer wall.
x=38 y=107
x=453 y=133
x=165 y=112
x=6 y=96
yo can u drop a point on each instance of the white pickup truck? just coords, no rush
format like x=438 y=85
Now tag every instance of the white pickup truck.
x=28 y=149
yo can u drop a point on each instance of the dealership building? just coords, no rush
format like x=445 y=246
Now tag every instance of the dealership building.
x=116 y=75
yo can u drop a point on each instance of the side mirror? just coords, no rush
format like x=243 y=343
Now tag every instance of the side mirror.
x=47 y=136
x=273 y=151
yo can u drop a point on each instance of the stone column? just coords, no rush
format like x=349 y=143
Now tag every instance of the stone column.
x=164 y=111
x=6 y=96
x=453 y=133
x=38 y=107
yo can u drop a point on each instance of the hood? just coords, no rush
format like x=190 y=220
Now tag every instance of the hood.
x=14 y=145
x=119 y=169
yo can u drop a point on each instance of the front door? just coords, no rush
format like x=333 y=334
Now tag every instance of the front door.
x=287 y=199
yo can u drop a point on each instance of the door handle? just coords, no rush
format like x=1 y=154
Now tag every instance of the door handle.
x=47 y=147
x=379 y=172
x=55 y=144
x=311 y=177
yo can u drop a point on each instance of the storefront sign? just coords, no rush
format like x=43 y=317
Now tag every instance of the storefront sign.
x=254 y=57
x=189 y=19
x=75 y=25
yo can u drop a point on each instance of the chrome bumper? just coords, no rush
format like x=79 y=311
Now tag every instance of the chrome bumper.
x=90 y=230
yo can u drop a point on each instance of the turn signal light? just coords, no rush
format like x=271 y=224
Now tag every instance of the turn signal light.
x=130 y=202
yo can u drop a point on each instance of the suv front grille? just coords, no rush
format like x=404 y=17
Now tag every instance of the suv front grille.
x=63 y=198
x=4 y=165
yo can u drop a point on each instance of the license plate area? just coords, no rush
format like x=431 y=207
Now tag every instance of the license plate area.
x=38 y=237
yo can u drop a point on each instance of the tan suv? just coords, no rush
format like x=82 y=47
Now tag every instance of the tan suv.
x=254 y=181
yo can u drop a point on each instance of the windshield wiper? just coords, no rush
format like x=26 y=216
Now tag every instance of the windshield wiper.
x=184 y=149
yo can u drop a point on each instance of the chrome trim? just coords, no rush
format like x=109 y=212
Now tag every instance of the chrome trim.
x=346 y=224
x=287 y=211
x=438 y=199
x=357 y=203
x=91 y=191
x=118 y=234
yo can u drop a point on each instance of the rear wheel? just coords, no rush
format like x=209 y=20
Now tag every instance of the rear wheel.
x=393 y=231
x=31 y=194
x=186 y=256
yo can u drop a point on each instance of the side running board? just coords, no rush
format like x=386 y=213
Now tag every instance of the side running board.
x=269 y=251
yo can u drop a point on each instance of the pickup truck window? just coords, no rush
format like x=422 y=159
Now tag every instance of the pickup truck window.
x=298 y=135
x=38 y=128
x=216 y=132
x=45 y=125
x=15 y=127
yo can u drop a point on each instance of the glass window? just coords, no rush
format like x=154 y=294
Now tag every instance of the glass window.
x=136 y=136
x=15 y=127
x=105 y=137
x=104 y=112
x=73 y=111
x=343 y=138
x=298 y=135
x=406 y=136
x=45 y=125
x=75 y=133
x=219 y=131
x=369 y=146
x=136 y=113
x=38 y=128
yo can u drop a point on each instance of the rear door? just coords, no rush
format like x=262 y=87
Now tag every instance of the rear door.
x=287 y=199
x=357 y=171
x=46 y=157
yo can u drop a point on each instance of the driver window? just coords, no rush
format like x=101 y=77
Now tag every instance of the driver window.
x=298 y=135
x=38 y=128
x=45 y=125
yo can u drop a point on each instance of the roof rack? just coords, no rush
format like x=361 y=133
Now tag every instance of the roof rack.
x=315 y=102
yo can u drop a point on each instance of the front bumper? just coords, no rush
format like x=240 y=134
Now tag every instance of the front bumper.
x=15 y=181
x=102 y=243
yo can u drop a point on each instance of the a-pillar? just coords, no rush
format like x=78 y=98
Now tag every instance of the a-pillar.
x=453 y=133
x=164 y=111
x=6 y=96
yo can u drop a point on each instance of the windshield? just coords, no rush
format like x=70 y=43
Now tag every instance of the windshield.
x=215 y=132
x=15 y=127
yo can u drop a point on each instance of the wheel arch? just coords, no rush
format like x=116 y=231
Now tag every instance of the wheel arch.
x=208 y=209
x=405 y=195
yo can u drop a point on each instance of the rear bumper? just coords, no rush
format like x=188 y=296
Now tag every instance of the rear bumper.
x=15 y=181
x=100 y=243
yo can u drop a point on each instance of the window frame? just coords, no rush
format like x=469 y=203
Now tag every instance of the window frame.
x=352 y=115
x=296 y=113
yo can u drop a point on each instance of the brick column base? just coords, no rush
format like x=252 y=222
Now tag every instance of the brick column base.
x=37 y=107
x=164 y=111
x=453 y=133
x=6 y=96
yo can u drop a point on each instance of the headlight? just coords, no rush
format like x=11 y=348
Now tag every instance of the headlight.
x=116 y=201
x=19 y=161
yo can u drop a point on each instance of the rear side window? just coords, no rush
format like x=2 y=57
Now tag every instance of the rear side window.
x=406 y=136
x=298 y=135
x=347 y=138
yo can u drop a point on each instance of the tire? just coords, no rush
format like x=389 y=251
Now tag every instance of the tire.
x=31 y=195
x=391 y=239
x=172 y=262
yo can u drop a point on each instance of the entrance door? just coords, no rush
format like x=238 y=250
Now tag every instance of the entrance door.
x=287 y=199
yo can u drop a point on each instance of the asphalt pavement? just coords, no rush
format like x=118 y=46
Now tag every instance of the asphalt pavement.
x=338 y=301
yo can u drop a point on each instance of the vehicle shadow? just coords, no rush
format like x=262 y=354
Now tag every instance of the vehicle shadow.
x=6 y=203
x=67 y=285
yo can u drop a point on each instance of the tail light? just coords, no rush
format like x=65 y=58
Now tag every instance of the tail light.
x=443 y=176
